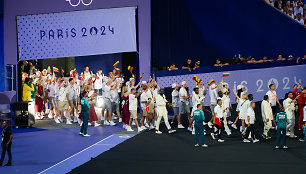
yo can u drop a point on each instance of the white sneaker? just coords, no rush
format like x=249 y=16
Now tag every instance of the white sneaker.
x=255 y=141
x=139 y=129
x=81 y=133
x=204 y=123
x=158 y=132
x=246 y=141
x=60 y=119
x=112 y=123
x=68 y=122
x=120 y=120
x=212 y=136
x=285 y=147
x=204 y=145
x=96 y=124
x=189 y=129
x=143 y=127
x=230 y=122
x=171 y=131
x=151 y=127
x=292 y=136
x=129 y=129
x=180 y=126
x=56 y=120
x=210 y=124
x=75 y=119
x=106 y=122
x=220 y=141
x=288 y=134
x=50 y=116
x=124 y=126
x=147 y=125
x=86 y=135
x=192 y=132
x=276 y=147
x=234 y=126
x=229 y=133
x=196 y=145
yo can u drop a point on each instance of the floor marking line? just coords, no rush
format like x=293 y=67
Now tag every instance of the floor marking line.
x=75 y=154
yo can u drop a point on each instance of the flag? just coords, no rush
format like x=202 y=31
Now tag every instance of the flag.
x=211 y=82
x=34 y=69
x=147 y=108
x=130 y=68
x=195 y=78
x=49 y=70
x=226 y=74
x=117 y=69
x=81 y=76
x=73 y=71
x=116 y=64
x=62 y=71
x=55 y=69
x=141 y=75
x=95 y=77
x=172 y=104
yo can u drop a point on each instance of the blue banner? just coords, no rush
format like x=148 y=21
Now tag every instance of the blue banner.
x=77 y=33
x=256 y=80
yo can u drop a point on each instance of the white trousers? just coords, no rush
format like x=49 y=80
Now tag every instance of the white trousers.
x=226 y=128
x=159 y=117
x=290 y=126
x=267 y=127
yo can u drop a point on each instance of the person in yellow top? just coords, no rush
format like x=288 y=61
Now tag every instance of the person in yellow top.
x=26 y=90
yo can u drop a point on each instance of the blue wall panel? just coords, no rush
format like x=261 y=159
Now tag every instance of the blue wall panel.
x=2 y=69
x=98 y=61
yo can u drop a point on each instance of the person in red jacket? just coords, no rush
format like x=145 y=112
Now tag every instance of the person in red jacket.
x=301 y=102
x=296 y=88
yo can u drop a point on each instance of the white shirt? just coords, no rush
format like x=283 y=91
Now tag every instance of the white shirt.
x=52 y=89
x=301 y=21
x=266 y=110
x=213 y=96
x=289 y=108
x=244 y=105
x=62 y=94
x=304 y=119
x=132 y=102
x=71 y=92
x=226 y=102
x=272 y=97
x=77 y=88
x=106 y=93
x=182 y=94
x=161 y=105
x=87 y=75
x=115 y=95
x=144 y=98
x=175 y=98
x=98 y=82
x=298 y=10
x=251 y=114
x=219 y=111
x=196 y=99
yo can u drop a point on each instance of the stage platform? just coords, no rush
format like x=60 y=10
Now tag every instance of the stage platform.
x=174 y=153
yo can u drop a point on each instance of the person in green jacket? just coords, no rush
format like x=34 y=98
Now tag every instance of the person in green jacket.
x=281 y=120
x=198 y=117
x=85 y=114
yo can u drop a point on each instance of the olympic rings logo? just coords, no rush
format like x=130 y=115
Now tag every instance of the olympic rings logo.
x=77 y=4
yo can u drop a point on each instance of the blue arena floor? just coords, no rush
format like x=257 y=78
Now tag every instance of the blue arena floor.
x=59 y=151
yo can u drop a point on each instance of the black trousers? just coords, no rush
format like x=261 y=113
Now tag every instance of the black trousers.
x=6 y=148
x=249 y=130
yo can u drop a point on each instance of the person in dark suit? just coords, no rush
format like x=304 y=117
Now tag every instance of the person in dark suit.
x=6 y=143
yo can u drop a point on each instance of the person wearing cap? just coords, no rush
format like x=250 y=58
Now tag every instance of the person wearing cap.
x=213 y=100
x=162 y=112
x=133 y=109
x=175 y=101
x=184 y=106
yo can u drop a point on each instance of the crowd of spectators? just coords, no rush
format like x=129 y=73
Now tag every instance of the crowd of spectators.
x=190 y=66
x=296 y=9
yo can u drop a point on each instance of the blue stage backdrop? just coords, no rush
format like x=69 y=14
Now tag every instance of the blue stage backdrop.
x=208 y=30
x=2 y=69
x=98 y=61
x=256 y=80
x=78 y=33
